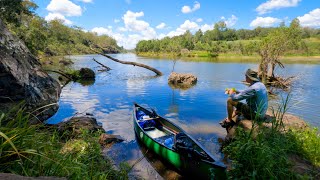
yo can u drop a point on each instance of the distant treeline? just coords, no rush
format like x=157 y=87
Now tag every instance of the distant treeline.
x=50 y=38
x=225 y=40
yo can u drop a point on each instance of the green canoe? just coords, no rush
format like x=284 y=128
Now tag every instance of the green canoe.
x=175 y=146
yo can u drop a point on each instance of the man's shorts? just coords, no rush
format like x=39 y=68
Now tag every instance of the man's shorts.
x=247 y=112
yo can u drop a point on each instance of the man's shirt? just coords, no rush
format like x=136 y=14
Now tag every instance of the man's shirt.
x=256 y=96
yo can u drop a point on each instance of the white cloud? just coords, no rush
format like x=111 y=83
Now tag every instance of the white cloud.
x=161 y=26
x=187 y=9
x=64 y=7
x=57 y=16
x=187 y=25
x=264 y=22
x=275 y=4
x=206 y=27
x=231 y=21
x=140 y=28
x=102 y=31
x=199 y=20
x=116 y=20
x=122 y=29
x=86 y=1
x=312 y=19
x=161 y=36
x=131 y=22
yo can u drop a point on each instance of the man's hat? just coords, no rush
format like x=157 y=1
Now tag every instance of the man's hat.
x=252 y=75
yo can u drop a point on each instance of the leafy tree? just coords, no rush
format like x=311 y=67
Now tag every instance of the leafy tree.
x=275 y=44
x=12 y=10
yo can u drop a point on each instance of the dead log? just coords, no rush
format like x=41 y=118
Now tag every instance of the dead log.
x=61 y=73
x=129 y=62
x=107 y=68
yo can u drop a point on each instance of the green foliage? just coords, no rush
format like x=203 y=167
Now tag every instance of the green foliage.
x=308 y=143
x=11 y=11
x=50 y=38
x=276 y=41
x=37 y=150
x=264 y=153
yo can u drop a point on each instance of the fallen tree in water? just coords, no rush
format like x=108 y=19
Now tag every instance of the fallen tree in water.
x=129 y=62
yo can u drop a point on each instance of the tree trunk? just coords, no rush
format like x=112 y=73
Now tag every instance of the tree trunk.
x=128 y=62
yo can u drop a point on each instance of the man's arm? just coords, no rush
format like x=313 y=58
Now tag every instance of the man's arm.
x=245 y=94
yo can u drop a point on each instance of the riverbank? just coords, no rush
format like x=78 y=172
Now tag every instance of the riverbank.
x=41 y=150
x=287 y=147
x=229 y=57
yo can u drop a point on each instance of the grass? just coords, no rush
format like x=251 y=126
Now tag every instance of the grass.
x=37 y=150
x=267 y=155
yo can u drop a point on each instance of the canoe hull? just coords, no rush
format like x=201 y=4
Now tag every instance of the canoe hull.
x=186 y=166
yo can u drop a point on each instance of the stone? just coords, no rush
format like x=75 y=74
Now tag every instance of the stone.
x=75 y=125
x=87 y=73
x=107 y=139
x=181 y=80
x=22 y=77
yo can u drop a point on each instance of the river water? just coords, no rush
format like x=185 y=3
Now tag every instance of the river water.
x=197 y=110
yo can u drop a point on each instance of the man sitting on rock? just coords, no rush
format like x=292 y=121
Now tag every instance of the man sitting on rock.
x=256 y=96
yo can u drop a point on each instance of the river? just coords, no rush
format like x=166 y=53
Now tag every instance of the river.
x=197 y=110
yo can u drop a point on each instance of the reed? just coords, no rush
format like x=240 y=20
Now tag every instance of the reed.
x=267 y=155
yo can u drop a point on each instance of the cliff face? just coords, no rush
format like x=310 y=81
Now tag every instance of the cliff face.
x=21 y=76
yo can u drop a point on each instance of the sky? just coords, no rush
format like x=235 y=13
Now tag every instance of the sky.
x=129 y=21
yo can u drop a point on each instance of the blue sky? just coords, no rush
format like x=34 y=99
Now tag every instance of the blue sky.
x=129 y=21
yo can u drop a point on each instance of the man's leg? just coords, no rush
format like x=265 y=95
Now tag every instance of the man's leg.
x=230 y=105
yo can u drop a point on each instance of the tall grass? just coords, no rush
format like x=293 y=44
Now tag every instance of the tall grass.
x=266 y=156
x=37 y=150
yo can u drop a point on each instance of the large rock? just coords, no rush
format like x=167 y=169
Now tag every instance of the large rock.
x=86 y=73
x=21 y=76
x=74 y=126
x=181 y=80
x=108 y=140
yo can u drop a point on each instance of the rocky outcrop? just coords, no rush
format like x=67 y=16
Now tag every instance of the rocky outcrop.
x=180 y=80
x=108 y=140
x=288 y=121
x=21 y=76
x=86 y=73
x=73 y=127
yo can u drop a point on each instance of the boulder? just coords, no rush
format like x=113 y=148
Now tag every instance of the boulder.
x=75 y=125
x=87 y=73
x=109 y=139
x=181 y=80
x=21 y=76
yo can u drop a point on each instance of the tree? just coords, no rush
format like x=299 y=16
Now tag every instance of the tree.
x=12 y=10
x=274 y=45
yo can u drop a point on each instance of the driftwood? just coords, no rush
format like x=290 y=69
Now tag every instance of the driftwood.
x=128 y=62
x=59 y=72
x=107 y=68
